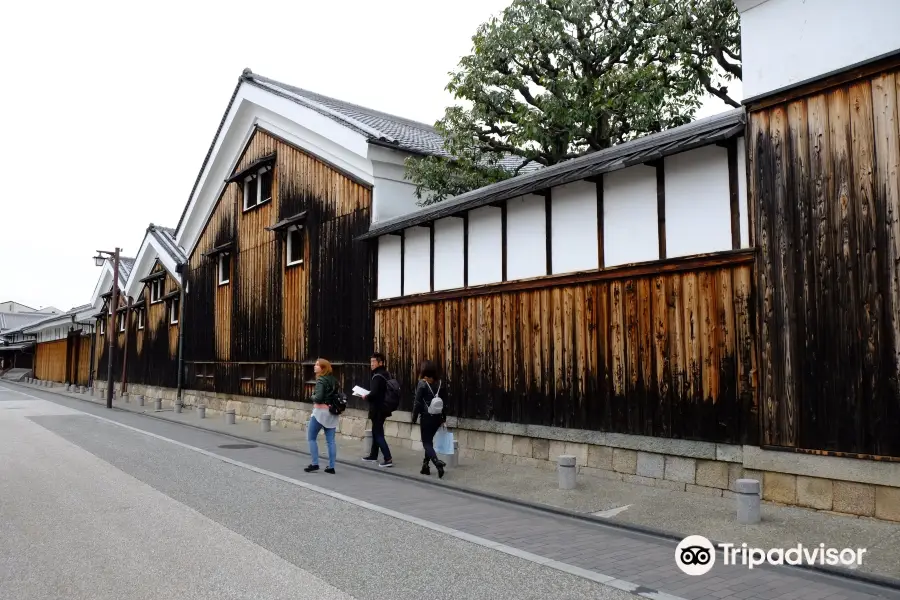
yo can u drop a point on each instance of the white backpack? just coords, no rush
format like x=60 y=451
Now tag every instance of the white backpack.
x=436 y=406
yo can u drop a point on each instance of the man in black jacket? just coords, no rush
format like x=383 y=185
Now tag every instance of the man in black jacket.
x=377 y=414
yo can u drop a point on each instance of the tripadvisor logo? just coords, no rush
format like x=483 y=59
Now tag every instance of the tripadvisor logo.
x=696 y=555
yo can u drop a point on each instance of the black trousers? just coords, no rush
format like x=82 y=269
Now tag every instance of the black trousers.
x=429 y=427
x=378 y=440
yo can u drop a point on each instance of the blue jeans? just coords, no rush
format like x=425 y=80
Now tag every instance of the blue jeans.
x=312 y=432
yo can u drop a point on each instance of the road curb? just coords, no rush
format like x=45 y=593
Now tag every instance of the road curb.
x=880 y=581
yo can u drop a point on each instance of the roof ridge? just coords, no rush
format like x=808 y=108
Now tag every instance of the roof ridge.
x=317 y=97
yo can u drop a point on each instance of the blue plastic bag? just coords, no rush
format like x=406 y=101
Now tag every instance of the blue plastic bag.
x=443 y=442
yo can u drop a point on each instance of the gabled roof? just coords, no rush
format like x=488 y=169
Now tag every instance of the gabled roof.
x=652 y=147
x=379 y=128
x=159 y=243
x=125 y=266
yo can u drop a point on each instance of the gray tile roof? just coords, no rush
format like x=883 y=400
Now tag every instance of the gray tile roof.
x=16 y=321
x=378 y=126
x=125 y=266
x=166 y=237
x=699 y=133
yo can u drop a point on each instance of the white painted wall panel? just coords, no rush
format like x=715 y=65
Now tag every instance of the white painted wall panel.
x=742 y=192
x=574 y=222
x=485 y=246
x=449 y=254
x=698 y=202
x=631 y=230
x=417 y=261
x=389 y=266
x=784 y=42
x=526 y=237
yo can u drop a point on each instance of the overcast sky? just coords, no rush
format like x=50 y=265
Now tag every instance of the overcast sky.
x=108 y=108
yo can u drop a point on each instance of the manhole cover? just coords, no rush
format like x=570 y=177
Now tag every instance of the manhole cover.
x=237 y=446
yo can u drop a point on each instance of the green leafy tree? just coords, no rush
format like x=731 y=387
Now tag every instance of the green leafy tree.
x=550 y=80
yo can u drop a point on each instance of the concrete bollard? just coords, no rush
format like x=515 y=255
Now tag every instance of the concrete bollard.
x=68 y=387
x=747 y=500
x=367 y=443
x=140 y=400
x=565 y=466
x=265 y=423
x=157 y=404
x=229 y=416
x=201 y=411
x=178 y=406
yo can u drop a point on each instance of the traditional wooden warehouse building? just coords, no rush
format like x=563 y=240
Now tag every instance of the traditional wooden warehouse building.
x=714 y=301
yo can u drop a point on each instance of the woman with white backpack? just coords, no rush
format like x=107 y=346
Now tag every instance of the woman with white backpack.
x=430 y=406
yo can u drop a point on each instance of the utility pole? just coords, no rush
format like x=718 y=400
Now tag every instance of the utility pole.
x=111 y=330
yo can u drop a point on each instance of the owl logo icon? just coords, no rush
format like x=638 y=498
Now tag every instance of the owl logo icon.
x=695 y=555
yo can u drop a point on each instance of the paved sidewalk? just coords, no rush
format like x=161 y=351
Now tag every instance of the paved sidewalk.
x=679 y=513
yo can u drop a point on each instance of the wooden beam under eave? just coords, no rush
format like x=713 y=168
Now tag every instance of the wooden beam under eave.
x=465 y=249
x=734 y=194
x=601 y=261
x=431 y=254
x=402 y=259
x=548 y=216
x=661 y=206
x=503 y=241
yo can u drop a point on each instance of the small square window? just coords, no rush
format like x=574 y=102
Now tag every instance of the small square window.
x=173 y=311
x=251 y=192
x=295 y=245
x=246 y=372
x=259 y=373
x=224 y=268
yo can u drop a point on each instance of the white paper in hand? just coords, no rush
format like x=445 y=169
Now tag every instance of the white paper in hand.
x=361 y=392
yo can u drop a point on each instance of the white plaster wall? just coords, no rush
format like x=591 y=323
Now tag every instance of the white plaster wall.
x=526 y=237
x=630 y=224
x=784 y=42
x=485 y=246
x=574 y=222
x=449 y=254
x=698 y=202
x=417 y=261
x=389 y=271
x=743 y=206
x=393 y=196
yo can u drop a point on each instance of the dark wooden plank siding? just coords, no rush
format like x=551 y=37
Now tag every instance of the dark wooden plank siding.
x=825 y=181
x=666 y=355
x=281 y=318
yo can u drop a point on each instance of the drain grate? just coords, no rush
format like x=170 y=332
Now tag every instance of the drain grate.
x=238 y=446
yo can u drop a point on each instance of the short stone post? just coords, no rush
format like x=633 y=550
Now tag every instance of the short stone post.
x=178 y=406
x=565 y=466
x=68 y=387
x=265 y=423
x=157 y=404
x=367 y=443
x=140 y=400
x=201 y=411
x=229 y=416
x=747 y=499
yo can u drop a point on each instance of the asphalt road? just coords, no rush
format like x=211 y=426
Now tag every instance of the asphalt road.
x=90 y=509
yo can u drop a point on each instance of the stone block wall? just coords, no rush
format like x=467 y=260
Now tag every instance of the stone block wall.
x=842 y=485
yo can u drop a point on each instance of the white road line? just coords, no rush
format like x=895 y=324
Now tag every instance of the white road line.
x=594 y=576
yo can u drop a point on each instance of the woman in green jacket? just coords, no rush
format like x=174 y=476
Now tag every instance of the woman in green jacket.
x=322 y=418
